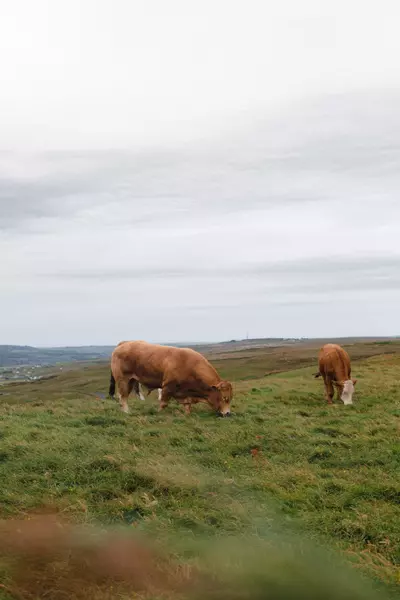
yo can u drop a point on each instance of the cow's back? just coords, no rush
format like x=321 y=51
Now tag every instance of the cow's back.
x=334 y=362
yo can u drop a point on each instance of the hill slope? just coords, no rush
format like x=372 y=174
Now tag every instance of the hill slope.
x=29 y=355
x=12 y=356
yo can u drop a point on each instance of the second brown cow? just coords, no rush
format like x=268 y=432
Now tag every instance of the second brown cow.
x=180 y=373
x=334 y=367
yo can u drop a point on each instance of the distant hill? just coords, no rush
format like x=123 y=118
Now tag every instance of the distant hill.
x=13 y=356
x=28 y=355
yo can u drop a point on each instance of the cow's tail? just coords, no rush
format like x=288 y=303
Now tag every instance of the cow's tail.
x=316 y=375
x=111 y=389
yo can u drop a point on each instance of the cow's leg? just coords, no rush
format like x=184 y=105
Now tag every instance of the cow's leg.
x=329 y=391
x=339 y=392
x=188 y=406
x=137 y=388
x=124 y=389
x=159 y=394
x=164 y=397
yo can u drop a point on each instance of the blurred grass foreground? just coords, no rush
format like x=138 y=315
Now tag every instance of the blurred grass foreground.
x=45 y=558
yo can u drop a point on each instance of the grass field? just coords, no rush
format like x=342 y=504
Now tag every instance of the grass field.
x=284 y=463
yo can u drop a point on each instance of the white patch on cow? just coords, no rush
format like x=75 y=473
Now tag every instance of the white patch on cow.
x=348 y=391
x=141 y=396
x=159 y=394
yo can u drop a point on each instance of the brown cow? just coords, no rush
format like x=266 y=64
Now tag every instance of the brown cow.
x=334 y=367
x=179 y=373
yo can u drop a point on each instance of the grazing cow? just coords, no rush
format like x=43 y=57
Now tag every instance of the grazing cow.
x=334 y=367
x=179 y=373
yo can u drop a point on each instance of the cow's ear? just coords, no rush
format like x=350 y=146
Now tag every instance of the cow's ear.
x=354 y=381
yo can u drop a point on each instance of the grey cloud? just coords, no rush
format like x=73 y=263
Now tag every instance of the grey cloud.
x=368 y=264
x=311 y=275
x=326 y=149
x=272 y=229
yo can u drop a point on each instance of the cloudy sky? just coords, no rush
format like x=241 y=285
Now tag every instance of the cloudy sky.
x=198 y=170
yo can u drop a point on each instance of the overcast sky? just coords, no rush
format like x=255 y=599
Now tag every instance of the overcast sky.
x=190 y=170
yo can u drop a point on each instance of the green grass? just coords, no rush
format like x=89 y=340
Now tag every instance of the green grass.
x=285 y=462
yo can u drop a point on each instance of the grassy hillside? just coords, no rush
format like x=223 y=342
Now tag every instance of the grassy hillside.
x=285 y=462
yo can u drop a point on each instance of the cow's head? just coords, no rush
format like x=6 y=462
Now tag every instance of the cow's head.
x=348 y=391
x=220 y=397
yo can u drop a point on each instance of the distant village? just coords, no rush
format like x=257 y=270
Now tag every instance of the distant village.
x=22 y=373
